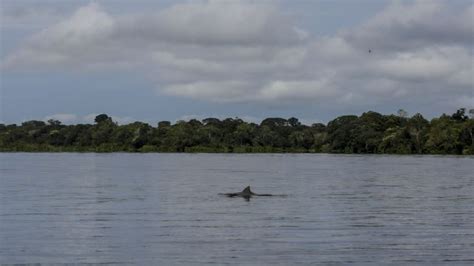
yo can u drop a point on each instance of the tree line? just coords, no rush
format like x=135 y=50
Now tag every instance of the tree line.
x=370 y=133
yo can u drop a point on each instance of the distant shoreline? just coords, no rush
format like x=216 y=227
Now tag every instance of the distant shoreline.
x=370 y=133
x=236 y=153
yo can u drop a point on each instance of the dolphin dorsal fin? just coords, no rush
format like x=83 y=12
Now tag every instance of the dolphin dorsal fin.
x=247 y=190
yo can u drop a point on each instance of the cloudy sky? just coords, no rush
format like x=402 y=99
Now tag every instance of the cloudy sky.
x=170 y=60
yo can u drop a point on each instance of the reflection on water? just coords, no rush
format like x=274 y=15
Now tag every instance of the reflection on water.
x=165 y=209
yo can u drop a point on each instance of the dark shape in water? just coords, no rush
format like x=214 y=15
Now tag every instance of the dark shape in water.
x=246 y=194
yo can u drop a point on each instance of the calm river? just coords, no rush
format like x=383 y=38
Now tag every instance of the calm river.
x=164 y=209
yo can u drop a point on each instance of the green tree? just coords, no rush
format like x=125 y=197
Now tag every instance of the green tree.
x=340 y=133
x=367 y=132
x=417 y=127
x=467 y=136
x=370 y=133
x=164 y=124
x=396 y=140
x=294 y=122
x=460 y=115
x=443 y=136
x=102 y=118
x=243 y=134
x=103 y=130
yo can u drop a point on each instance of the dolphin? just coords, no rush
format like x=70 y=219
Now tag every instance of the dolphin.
x=246 y=193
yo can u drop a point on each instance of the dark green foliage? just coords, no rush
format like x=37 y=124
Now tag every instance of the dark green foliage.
x=460 y=115
x=164 y=124
x=102 y=118
x=340 y=133
x=369 y=133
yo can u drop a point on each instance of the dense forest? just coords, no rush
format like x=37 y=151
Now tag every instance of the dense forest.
x=371 y=132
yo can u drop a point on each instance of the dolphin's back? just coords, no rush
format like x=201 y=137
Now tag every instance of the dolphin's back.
x=246 y=193
x=231 y=194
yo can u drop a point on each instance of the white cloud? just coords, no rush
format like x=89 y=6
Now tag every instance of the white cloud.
x=249 y=51
x=426 y=64
x=221 y=91
x=68 y=42
x=316 y=90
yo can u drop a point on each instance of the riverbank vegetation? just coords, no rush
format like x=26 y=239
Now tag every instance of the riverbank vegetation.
x=371 y=132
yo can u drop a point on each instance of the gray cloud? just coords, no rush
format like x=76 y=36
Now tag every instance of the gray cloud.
x=30 y=15
x=244 y=52
x=215 y=23
x=403 y=26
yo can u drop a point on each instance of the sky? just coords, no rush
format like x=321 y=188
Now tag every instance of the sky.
x=151 y=61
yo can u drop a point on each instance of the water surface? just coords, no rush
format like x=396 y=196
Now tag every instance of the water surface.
x=165 y=209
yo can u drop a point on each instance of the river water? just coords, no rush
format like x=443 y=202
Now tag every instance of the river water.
x=164 y=209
